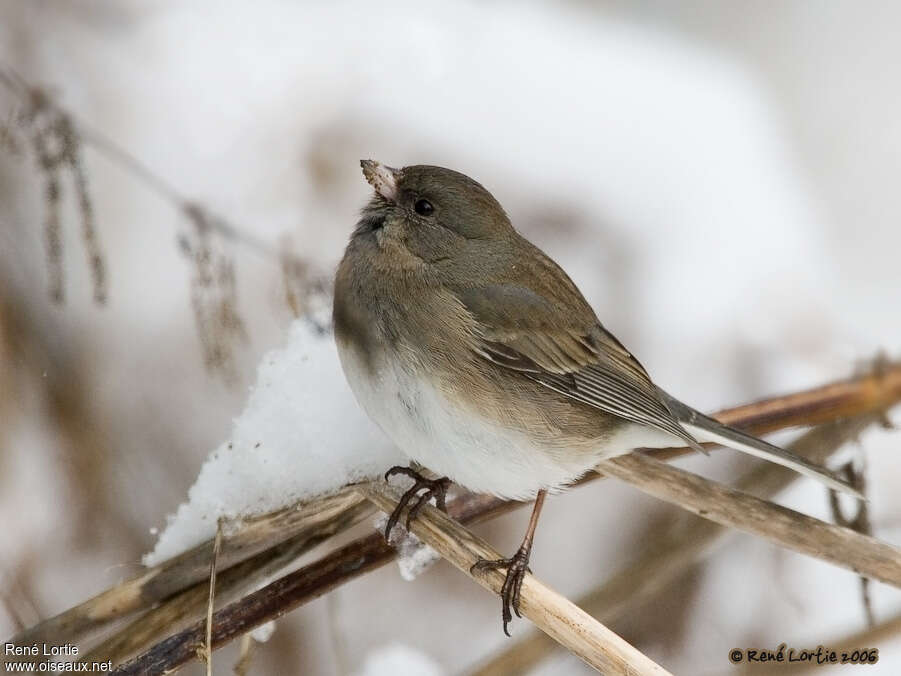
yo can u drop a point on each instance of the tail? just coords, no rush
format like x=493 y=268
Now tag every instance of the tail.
x=705 y=428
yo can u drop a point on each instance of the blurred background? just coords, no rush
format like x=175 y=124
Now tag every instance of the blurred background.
x=718 y=178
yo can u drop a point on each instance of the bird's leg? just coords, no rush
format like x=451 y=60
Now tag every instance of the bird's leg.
x=436 y=488
x=517 y=566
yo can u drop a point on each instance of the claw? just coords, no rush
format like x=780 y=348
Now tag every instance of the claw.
x=435 y=488
x=400 y=469
x=517 y=566
x=438 y=491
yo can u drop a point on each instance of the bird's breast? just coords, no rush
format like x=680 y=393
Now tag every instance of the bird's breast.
x=443 y=433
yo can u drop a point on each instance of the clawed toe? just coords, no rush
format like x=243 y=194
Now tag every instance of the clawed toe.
x=517 y=566
x=434 y=488
x=438 y=490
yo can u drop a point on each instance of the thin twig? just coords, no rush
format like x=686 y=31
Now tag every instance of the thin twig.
x=675 y=548
x=208 y=648
x=248 y=644
x=859 y=522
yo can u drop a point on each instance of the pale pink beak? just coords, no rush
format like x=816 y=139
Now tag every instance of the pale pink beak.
x=381 y=177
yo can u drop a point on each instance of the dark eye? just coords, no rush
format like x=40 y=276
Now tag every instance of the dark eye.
x=424 y=208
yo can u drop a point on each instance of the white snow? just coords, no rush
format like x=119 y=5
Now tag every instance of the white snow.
x=397 y=659
x=264 y=632
x=414 y=557
x=300 y=435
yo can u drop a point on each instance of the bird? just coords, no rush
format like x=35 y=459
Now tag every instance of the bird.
x=481 y=360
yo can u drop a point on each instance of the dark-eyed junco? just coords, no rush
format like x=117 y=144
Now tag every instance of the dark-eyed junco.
x=480 y=358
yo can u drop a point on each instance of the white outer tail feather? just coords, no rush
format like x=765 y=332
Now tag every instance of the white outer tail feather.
x=703 y=434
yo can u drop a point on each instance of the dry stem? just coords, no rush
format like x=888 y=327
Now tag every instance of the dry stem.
x=294 y=589
x=187 y=605
x=726 y=506
x=208 y=647
x=170 y=577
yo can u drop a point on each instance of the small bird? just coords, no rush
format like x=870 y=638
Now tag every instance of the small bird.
x=478 y=356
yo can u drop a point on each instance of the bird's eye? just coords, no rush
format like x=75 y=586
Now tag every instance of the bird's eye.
x=424 y=208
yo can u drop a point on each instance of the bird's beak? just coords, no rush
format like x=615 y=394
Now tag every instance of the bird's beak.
x=382 y=178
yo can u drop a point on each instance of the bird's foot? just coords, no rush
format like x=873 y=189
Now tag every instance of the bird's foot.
x=436 y=488
x=517 y=566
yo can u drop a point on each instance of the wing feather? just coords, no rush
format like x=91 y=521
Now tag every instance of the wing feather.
x=531 y=319
x=521 y=330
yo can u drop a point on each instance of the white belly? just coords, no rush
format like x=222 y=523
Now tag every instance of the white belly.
x=472 y=451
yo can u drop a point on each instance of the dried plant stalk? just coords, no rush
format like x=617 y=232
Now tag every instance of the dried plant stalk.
x=214 y=295
x=312 y=520
x=298 y=587
x=211 y=599
x=248 y=647
x=57 y=149
x=841 y=546
x=185 y=607
x=859 y=522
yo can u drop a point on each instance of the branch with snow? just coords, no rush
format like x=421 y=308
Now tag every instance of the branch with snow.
x=294 y=589
x=256 y=539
